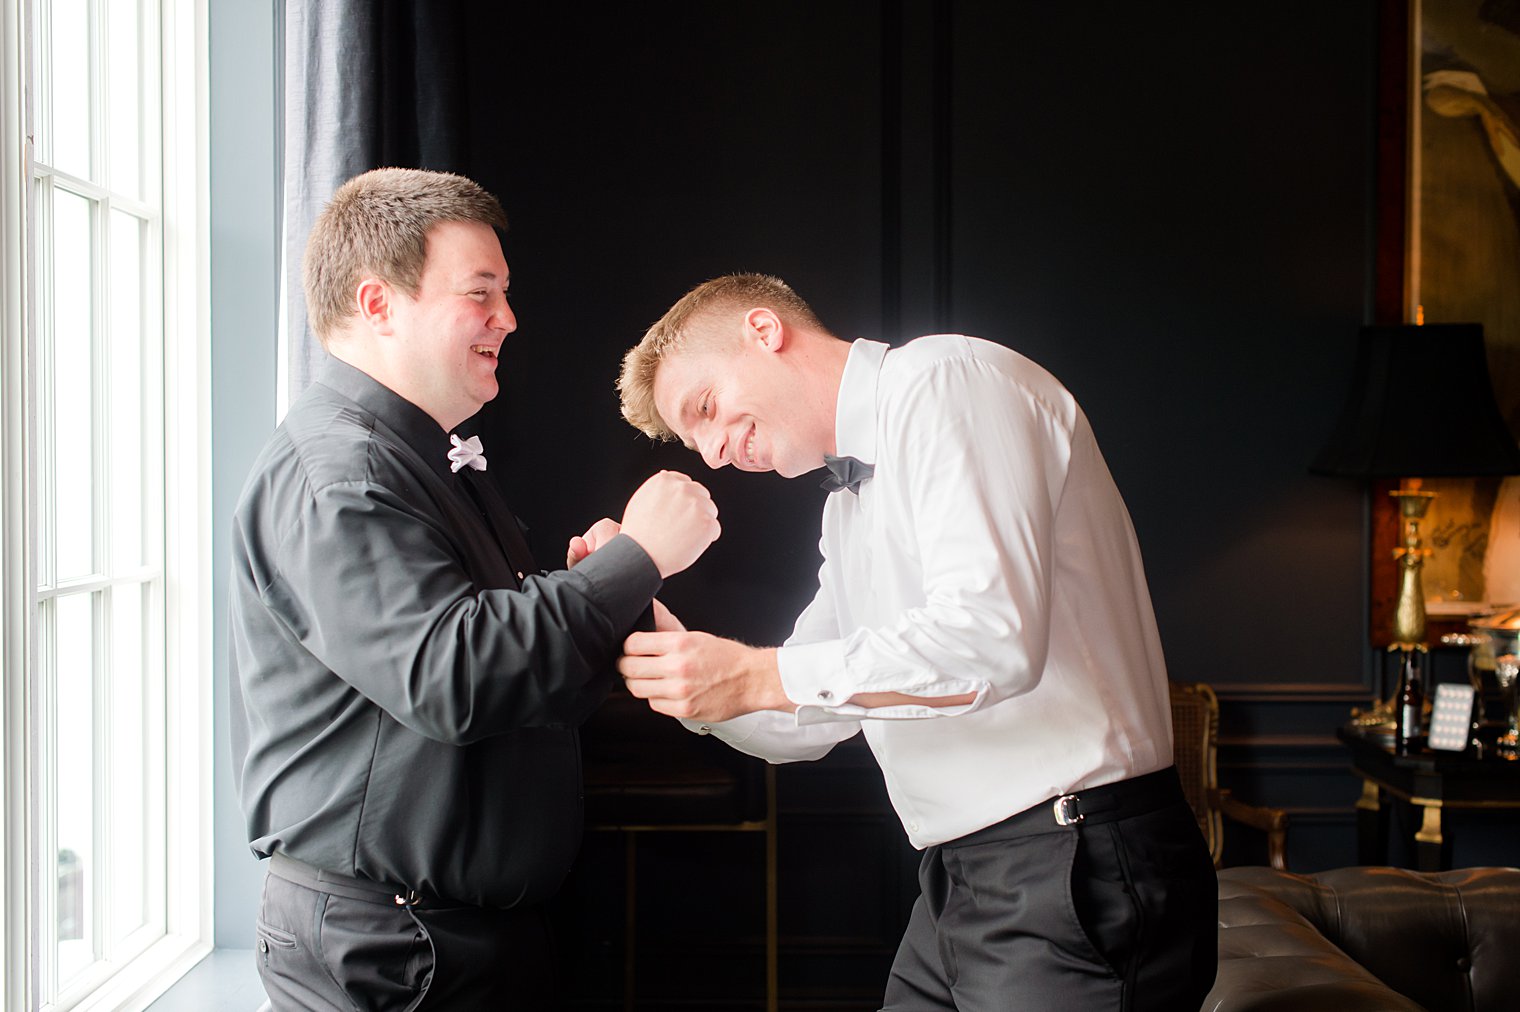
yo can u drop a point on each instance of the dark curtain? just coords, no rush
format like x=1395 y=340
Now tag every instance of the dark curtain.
x=368 y=83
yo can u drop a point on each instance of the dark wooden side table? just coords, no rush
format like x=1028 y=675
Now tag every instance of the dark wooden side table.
x=1432 y=781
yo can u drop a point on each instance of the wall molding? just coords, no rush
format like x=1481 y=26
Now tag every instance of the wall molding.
x=1290 y=692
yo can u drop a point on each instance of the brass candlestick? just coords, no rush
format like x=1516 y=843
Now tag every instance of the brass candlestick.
x=1409 y=609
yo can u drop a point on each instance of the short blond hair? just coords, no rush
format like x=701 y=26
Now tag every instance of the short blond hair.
x=689 y=322
x=377 y=225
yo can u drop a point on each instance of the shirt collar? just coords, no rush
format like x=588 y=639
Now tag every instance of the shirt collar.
x=855 y=415
x=413 y=426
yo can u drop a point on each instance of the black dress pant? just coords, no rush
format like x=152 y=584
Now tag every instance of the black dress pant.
x=321 y=951
x=1112 y=914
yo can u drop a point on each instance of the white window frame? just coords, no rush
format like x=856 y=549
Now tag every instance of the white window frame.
x=186 y=788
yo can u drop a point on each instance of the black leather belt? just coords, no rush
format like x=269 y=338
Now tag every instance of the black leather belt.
x=1088 y=806
x=324 y=881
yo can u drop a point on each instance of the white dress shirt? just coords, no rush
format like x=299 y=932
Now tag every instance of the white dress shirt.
x=990 y=553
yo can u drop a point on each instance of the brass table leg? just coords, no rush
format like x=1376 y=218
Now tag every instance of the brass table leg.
x=1428 y=840
x=1371 y=847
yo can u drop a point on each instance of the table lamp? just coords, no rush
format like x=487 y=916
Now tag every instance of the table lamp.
x=1420 y=406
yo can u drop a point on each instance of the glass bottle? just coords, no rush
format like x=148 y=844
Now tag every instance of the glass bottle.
x=1409 y=707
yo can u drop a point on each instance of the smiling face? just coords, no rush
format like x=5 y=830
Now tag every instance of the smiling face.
x=448 y=337
x=742 y=404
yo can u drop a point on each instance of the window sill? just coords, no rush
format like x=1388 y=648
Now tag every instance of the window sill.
x=143 y=978
x=223 y=979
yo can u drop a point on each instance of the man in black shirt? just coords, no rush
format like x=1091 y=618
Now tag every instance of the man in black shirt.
x=407 y=683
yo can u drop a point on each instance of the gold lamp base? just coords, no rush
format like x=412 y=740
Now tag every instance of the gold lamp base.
x=1409 y=610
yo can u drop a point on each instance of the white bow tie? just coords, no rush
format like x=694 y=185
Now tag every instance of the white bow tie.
x=467 y=452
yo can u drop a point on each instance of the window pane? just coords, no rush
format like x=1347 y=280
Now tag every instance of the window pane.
x=124 y=97
x=69 y=139
x=74 y=758
x=97 y=766
x=124 y=375
x=129 y=768
x=73 y=378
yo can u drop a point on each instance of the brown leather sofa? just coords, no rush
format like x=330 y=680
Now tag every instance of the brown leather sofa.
x=1364 y=939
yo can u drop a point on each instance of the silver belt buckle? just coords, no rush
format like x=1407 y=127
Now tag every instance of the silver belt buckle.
x=1066 y=811
x=408 y=899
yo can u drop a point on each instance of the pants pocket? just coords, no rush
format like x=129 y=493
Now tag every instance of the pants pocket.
x=270 y=938
x=1102 y=899
x=1012 y=921
x=285 y=949
x=317 y=952
x=380 y=956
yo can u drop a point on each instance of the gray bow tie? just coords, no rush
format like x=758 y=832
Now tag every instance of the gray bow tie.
x=846 y=472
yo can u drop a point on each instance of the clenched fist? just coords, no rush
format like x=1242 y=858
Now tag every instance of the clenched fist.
x=601 y=532
x=673 y=519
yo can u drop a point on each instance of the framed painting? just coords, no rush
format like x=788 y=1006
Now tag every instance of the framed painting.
x=1449 y=252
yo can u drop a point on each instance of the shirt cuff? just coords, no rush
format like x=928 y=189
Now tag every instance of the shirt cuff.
x=735 y=732
x=813 y=676
x=623 y=577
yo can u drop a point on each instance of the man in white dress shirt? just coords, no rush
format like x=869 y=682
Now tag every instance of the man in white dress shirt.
x=982 y=614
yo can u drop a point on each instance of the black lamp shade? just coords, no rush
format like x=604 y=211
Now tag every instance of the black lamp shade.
x=1421 y=405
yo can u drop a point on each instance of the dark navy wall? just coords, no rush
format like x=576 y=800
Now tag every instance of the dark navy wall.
x=1151 y=200
x=1169 y=205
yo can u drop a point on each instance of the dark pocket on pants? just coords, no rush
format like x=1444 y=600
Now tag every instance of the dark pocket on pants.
x=323 y=953
x=292 y=975
x=1010 y=920
x=379 y=955
x=1147 y=896
x=1103 y=900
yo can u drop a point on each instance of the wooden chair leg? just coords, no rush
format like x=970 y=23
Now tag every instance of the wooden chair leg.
x=1277 y=849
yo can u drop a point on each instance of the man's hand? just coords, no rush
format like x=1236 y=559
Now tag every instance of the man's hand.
x=700 y=676
x=601 y=532
x=673 y=519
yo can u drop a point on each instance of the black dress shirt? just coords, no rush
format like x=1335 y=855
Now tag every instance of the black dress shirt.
x=406 y=685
